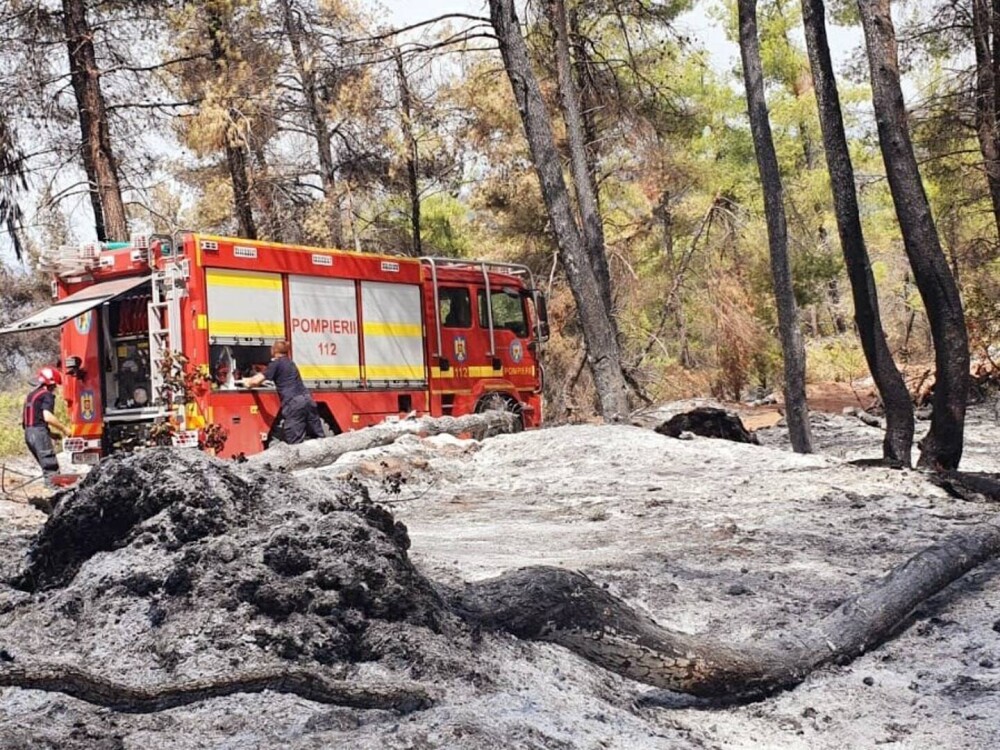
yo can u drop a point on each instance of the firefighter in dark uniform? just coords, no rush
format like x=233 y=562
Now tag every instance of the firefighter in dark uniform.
x=298 y=410
x=39 y=420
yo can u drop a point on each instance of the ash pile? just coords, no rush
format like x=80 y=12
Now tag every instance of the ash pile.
x=174 y=568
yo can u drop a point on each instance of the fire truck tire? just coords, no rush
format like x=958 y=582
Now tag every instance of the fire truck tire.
x=496 y=401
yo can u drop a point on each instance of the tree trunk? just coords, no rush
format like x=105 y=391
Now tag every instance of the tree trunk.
x=12 y=180
x=793 y=349
x=317 y=116
x=995 y=77
x=235 y=147
x=99 y=162
x=236 y=161
x=270 y=221
x=412 y=155
x=986 y=116
x=898 y=443
x=583 y=184
x=567 y=608
x=581 y=73
x=599 y=332
x=942 y=446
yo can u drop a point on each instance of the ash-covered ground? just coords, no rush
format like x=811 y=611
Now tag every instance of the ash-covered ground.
x=227 y=570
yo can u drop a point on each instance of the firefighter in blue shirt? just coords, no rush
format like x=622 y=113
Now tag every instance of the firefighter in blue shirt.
x=39 y=420
x=298 y=410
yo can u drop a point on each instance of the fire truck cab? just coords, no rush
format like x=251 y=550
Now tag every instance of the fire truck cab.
x=157 y=332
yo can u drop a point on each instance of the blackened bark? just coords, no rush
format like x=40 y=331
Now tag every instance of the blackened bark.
x=941 y=448
x=599 y=333
x=986 y=115
x=793 y=349
x=567 y=608
x=585 y=86
x=898 y=443
x=236 y=161
x=317 y=117
x=995 y=69
x=576 y=139
x=99 y=162
x=12 y=181
x=235 y=148
x=412 y=155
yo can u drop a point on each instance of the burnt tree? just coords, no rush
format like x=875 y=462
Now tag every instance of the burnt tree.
x=986 y=113
x=898 y=443
x=580 y=168
x=941 y=448
x=599 y=332
x=305 y=67
x=792 y=346
x=237 y=157
x=412 y=154
x=12 y=180
x=110 y=222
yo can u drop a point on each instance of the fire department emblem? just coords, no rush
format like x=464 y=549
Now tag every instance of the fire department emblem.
x=87 y=411
x=82 y=322
x=461 y=349
x=516 y=351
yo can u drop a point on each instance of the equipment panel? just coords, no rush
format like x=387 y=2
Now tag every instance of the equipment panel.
x=324 y=328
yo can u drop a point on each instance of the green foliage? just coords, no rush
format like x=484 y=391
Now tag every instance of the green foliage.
x=444 y=224
x=11 y=434
x=836 y=360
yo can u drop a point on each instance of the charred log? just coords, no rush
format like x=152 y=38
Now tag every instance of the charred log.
x=119 y=696
x=567 y=608
x=978 y=487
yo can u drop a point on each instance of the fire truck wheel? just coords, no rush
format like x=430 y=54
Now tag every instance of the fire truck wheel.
x=501 y=402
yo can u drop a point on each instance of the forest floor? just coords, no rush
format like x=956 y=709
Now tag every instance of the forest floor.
x=706 y=536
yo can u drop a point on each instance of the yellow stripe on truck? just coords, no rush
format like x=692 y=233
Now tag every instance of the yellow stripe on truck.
x=245 y=328
x=396 y=330
x=394 y=372
x=467 y=372
x=241 y=279
x=330 y=372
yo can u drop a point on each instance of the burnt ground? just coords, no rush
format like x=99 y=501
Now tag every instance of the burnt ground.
x=169 y=566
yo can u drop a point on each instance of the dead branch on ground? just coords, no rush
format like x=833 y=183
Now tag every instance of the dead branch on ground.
x=119 y=696
x=567 y=608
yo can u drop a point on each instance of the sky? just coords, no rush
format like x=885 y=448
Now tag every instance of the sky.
x=723 y=53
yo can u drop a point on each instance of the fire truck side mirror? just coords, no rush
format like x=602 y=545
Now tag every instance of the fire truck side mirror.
x=541 y=314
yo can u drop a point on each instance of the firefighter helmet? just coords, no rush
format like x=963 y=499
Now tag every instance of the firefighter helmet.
x=49 y=376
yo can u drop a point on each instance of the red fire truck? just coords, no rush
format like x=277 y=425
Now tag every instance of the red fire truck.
x=156 y=333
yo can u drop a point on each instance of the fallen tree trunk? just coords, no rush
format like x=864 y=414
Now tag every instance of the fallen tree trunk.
x=977 y=487
x=323 y=452
x=119 y=696
x=568 y=609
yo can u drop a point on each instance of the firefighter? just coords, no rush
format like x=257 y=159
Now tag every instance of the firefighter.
x=301 y=418
x=39 y=420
